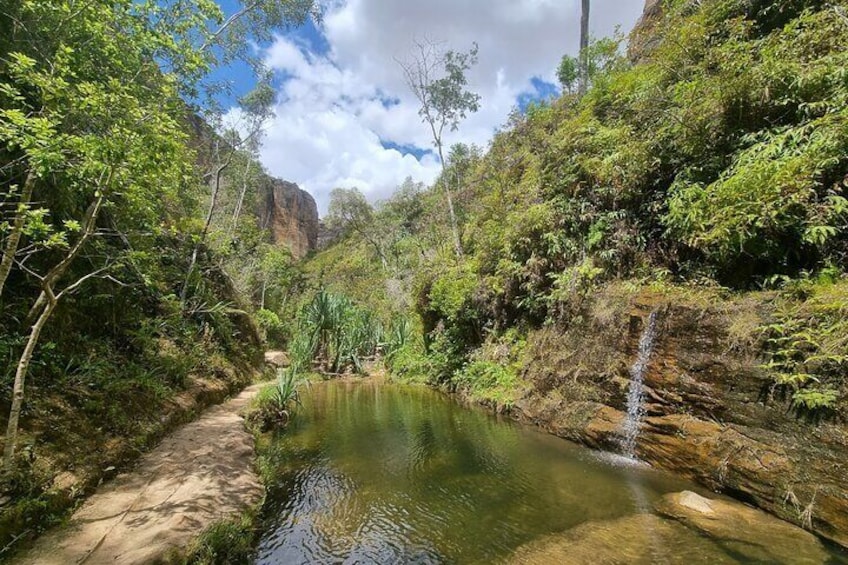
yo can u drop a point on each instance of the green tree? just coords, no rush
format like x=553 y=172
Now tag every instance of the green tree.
x=349 y=211
x=92 y=126
x=438 y=80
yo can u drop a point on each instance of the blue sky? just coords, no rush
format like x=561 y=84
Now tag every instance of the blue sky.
x=345 y=118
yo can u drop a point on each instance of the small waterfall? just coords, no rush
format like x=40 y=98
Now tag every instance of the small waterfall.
x=636 y=389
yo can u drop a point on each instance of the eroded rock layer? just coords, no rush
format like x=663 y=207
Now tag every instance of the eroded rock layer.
x=711 y=413
x=291 y=215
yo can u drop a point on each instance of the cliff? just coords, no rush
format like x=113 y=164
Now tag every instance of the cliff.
x=711 y=414
x=645 y=36
x=291 y=215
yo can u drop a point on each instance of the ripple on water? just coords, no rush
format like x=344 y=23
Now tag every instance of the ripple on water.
x=388 y=474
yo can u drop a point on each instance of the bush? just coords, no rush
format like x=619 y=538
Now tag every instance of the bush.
x=807 y=347
x=272 y=327
x=275 y=403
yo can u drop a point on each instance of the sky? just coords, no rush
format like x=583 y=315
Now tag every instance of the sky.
x=344 y=116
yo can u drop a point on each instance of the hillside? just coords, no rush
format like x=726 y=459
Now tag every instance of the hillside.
x=137 y=245
x=701 y=177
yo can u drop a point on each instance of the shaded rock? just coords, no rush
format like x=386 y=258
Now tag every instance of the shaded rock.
x=642 y=538
x=749 y=533
x=277 y=359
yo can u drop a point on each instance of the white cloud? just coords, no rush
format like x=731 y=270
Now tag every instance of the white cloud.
x=335 y=109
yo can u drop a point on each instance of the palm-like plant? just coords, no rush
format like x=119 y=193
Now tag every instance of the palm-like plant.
x=339 y=332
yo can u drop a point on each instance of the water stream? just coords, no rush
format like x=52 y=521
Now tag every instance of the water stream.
x=384 y=473
x=636 y=388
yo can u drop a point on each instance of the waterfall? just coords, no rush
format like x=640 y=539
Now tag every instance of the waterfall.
x=636 y=389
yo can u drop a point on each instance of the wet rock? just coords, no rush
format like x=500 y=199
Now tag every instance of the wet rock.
x=706 y=415
x=638 y=539
x=749 y=533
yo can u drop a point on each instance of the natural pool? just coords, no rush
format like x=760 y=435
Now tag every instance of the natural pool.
x=382 y=473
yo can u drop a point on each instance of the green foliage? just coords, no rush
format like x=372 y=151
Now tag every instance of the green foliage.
x=807 y=346
x=491 y=375
x=226 y=542
x=94 y=112
x=275 y=403
x=567 y=73
x=271 y=324
x=337 y=332
x=488 y=381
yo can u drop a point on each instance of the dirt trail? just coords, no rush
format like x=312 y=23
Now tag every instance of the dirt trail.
x=197 y=475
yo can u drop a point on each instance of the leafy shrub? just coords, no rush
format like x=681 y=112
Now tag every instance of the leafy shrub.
x=275 y=403
x=807 y=347
x=227 y=542
x=272 y=326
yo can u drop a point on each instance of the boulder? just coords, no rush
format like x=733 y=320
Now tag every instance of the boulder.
x=278 y=359
x=631 y=540
x=751 y=534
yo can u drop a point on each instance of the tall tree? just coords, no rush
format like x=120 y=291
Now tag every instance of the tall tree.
x=438 y=80
x=92 y=122
x=584 y=47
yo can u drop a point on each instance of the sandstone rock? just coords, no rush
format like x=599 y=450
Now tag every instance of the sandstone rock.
x=707 y=418
x=744 y=531
x=277 y=359
x=292 y=216
x=643 y=38
x=639 y=539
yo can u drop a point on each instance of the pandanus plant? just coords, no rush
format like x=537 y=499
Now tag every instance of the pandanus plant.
x=339 y=332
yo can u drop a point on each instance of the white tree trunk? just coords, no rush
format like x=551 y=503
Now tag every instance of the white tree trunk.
x=20 y=380
x=457 y=242
x=11 y=247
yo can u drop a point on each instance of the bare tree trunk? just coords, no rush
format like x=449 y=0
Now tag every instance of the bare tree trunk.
x=240 y=203
x=584 y=48
x=214 y=202
x=457 y=242
x=17 y=229
x=18 y=390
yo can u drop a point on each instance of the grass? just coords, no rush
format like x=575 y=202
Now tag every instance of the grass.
x=226 y=542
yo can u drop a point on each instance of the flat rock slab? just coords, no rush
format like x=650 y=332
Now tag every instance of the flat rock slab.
x=640 y=539
x=747 y=532
x=199 y=474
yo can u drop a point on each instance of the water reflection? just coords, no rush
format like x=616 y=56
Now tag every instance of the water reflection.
x=388 y=474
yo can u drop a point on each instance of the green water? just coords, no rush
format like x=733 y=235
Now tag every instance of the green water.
x=381 y=473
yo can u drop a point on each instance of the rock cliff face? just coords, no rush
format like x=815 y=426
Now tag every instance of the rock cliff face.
x=644 y=37
x=291 y=215
x=711 y=414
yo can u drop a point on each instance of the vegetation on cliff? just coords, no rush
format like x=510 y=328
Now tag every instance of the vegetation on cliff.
x=719 y=160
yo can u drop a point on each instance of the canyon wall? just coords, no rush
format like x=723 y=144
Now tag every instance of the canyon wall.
x=291 y=215
x=711 y=413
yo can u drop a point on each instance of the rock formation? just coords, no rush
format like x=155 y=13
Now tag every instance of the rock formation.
x=646 y=36
x=711 y=415
x=291 y=215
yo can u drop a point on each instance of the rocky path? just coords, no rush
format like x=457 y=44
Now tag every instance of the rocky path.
x=199 y=474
